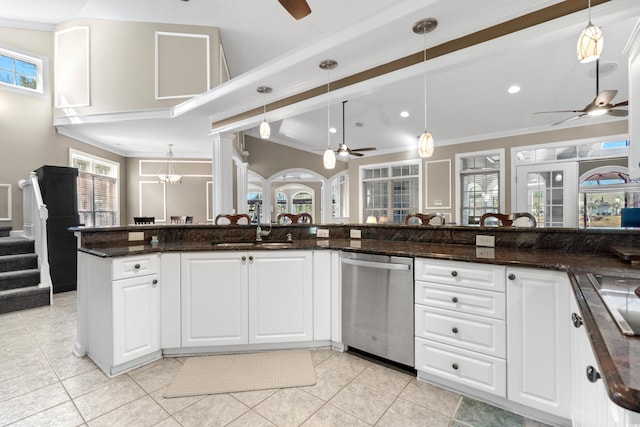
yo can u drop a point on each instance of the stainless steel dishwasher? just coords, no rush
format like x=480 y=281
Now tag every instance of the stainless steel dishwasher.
x=377 y=305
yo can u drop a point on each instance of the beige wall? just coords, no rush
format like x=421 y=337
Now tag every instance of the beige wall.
x=449 y=152
x=122 y=59
x=28 y=139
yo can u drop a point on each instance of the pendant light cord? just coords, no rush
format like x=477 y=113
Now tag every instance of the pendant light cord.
x=328 y=111
x=425 y=81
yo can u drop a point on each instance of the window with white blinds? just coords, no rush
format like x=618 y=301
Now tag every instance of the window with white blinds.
x=479 y=187
x=97 y=190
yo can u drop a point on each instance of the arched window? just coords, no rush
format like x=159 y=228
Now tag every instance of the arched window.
x=604 y=191
x=302 y=202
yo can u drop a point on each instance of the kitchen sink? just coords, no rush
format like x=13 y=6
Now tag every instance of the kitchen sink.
x=235 y=244
x=621 y=297
x=271 y=245
x=274 y=245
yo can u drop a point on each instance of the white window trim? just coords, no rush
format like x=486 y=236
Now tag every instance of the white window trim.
x=515 y=150
x=42 y=64
x=458 y=192
x=361 y=169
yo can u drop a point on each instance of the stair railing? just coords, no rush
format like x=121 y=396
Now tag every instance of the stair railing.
x=35 y=215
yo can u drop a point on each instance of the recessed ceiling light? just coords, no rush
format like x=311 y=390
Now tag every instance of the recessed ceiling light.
x=513 y=89
x=332 y=130
x=404 y=114
x=360 y=124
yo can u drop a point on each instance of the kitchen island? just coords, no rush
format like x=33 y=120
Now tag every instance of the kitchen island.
x=617 y=356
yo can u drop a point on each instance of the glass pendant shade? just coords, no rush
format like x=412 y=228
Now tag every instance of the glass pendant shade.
x=265 y=130
x=169 y=174
x=426 y=145
x=329 y=159
x=590 y=44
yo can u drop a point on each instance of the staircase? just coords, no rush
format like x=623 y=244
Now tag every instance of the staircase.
x=19 y=274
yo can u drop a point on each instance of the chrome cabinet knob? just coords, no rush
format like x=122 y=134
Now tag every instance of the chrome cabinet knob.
x=454 y=273
x=512 y=276
x=244 y=258
x=455 y=366
x=250 y=257
x=154 y=282
x=454 y=299
x=137 y=266
x=454 y=330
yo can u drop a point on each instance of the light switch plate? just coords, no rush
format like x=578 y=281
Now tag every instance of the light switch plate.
x=136 y=235
x=487 y=241
x=355 y=234
x=323 y=232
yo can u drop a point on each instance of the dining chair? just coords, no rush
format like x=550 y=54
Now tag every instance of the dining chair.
x=507 y=220
x=228 y=219
x=178 y=220
x=144 y=220
x=425 y=218
x=288 y=218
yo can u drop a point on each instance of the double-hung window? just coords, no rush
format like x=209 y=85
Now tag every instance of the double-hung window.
x=390 y=192
x=97 y=190
x=21 y=71
x=480 y=177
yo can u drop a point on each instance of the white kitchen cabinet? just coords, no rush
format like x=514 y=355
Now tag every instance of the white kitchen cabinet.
x=237 y=297
x=123 y=311
x=214 y=296
x=538 y=349
x=280 y=296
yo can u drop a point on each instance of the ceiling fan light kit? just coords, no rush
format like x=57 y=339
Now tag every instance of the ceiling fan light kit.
x=265 y=128
x=590 y=42
x=426 y=144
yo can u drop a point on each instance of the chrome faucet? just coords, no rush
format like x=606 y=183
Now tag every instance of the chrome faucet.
x=260 y=233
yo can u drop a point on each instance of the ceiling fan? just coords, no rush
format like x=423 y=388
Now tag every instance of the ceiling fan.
x=600 y=105
x=297 y=8
x=343 y=150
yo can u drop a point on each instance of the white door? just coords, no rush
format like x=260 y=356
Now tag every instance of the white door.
x=136 y=318
x=549 y=192
x=214 y=298
x=538 y=340
x=280 y=296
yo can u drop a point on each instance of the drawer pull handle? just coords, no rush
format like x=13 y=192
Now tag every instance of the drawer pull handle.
x=577 y=320
x=592 y=374
x=454 y=299
x=137 y=266
x=154 y=282
x=454 y=273
x=512 y=276
x=244 y=258
x=454 y=330
x=250 y=257
x=455 y=366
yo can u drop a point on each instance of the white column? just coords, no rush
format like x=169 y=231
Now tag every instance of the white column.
x=242 y=169
x=327 y=201
x=222 y=173
x=632 y=49
x=267 y=203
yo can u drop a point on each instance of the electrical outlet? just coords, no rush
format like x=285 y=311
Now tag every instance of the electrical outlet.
x=136 y=235
x=489 y=253
x=487 y=241
x=323 y=232
x=355 y=234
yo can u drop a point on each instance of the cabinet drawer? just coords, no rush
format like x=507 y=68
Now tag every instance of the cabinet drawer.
x=462 y=366
x=461 y=299
x=472 y=275
x=134 y=266
x=476 y=333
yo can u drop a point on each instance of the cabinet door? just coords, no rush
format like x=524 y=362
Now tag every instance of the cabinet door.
x=538 y=341
x=136 y=321
x=214 y=298
x=280 y=297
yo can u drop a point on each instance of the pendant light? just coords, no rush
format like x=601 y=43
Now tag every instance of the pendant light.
x=590 y=42
x=265 y=129
x=169 y=173
x=426 y=144
x=329 y=157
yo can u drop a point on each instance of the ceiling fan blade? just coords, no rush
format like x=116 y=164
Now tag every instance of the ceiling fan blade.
x=297 y=8
x=620 y=104
x=618 y=113
x=363 y=149
x=560 y=111
x=569 y=119
x=604 y=97
x=356 y=154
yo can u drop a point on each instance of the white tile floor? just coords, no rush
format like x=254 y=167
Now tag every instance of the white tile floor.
x=43 y=384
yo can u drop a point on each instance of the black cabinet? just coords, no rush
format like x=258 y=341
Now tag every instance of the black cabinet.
x=59 y=187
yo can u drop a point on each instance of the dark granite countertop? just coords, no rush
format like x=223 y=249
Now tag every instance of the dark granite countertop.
x=618 y=355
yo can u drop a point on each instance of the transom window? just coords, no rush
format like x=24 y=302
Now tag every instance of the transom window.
x=391 y=192
x=20 y=71
x=97 y=190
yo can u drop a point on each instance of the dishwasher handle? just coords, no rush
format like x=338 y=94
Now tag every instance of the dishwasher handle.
x=374 y=264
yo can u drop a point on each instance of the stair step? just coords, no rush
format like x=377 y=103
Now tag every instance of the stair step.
x=5 y=231
x=18 y=262
x=15 y=245
x=23 y=298
x=19 y=279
